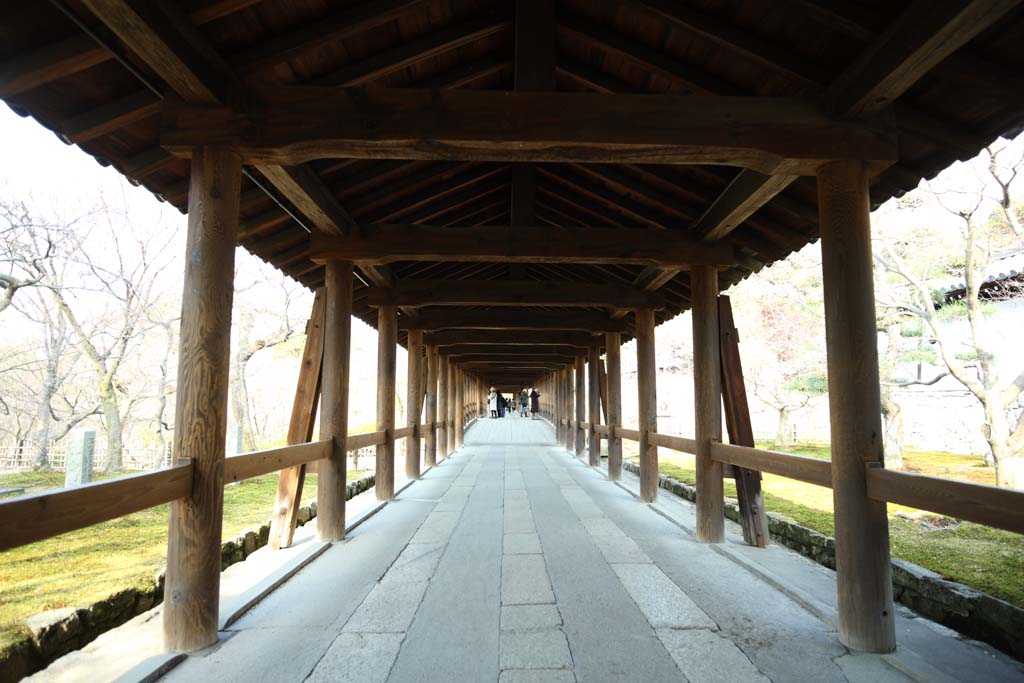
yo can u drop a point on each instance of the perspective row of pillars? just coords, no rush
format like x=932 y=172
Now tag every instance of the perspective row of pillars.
x=193 y=563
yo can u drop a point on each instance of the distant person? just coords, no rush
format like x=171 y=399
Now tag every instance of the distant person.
x=502 y=404
x=524 y=402
x=535 y=402
x=492 y=402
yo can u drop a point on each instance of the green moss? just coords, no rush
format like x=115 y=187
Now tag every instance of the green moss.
x=84 y=566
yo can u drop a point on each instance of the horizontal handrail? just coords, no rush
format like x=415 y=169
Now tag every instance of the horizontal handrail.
x=810 y=470
x=602 y=430
x=37 y=517
x=365 y=440
x=256 y=463
x=675 y=443
x=403 y=432
x=631 y=434
x=979 y=503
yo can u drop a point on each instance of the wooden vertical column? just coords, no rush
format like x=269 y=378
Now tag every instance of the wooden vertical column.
x=414 y=345
x=559 y=416
x=612 y=348
x=332 y=475
x=442 y=407
x=192 y=591
x=570 y=410
x=581 y=406
x=594 y=404
x=707 y=384
x=460 y=404
x=647 y=400
x=863 y=571
x=430 y=444
x=452 y=410
x=387 y=340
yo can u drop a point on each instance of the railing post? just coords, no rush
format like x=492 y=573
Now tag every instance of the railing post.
x=192 y=590
x=333 y=471
x=414 y=346
x=387 y=339
x=612 y=348
x=707 y=383
x=581 y=406
x=647 y=403
x=442 y=407
x=430 y=446
x=570 y=414
x=863 y=571
x=594 y=403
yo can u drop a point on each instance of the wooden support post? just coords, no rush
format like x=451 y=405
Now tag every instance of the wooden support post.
x=737 y=421
x=387 y=340
x=863 y=573
x=460 y=417
x=707 y=383
x=414 y=345
x=594 y=404
x=300 y=429
x=581 y=407
x=647 y=403
x=452 y=410
x=332 y=475
x=192 y=591
x=570 y=410
x=430 y=445
x=613 y=343
x=442 y=407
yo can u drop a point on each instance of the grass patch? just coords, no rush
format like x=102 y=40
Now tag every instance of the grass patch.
x=84 y=566
x=987 y=559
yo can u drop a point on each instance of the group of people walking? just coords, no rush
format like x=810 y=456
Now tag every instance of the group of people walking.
x=527 y=402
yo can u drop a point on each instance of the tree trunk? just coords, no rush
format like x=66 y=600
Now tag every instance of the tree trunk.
x=239 y=390
x=892 y=415
x=112 y=425
x=41 y=455
x=782 y=428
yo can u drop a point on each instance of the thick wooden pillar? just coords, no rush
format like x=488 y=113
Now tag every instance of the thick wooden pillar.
x=452 y=410
x=594 y=404
x=570 y=410
x=442 y=407
x=612 y=354
x=332 y=475
x=707 y=385
x=192 y=591
x=559 y=415
x=581 y=406
x=430 y=443
x=414 y=345
x=863 y=572
x=647 y=403
x=460 y=404
x=387 y=340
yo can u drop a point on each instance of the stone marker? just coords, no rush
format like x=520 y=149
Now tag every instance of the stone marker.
x=78 y=462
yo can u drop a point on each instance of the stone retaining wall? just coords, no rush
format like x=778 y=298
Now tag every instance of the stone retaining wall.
x=56 y=632
x=971 y=612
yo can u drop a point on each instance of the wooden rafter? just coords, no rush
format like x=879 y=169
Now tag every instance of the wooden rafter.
x=442 y=319
x=511 y=293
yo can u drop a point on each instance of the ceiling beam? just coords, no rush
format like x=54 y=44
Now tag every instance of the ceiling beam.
x=384 y=243
x=519 y=351
x=501 y=338
x=512 y=293
x=514 y=321
x=301 y=123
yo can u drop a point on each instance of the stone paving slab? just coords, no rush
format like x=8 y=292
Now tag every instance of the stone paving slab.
x=522 y=544
x=524 y=580
x=661 y=601
x=539 y=649
x=529 y=617
x=706 y=656
x=357 y=658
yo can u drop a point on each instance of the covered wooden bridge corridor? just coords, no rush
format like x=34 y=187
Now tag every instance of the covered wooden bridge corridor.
x=511 y=190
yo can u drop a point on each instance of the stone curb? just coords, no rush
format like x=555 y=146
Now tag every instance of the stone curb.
x=56 y=632
x=964 y=609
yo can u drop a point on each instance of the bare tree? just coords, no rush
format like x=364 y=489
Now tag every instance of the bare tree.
x=970 y=361
x=26 y=246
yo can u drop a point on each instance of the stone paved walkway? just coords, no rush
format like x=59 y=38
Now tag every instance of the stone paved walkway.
x=511 y=561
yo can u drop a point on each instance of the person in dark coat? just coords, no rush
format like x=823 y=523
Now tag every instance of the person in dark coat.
x=535 y=402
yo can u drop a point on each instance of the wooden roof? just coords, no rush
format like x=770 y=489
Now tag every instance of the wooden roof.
x=946 y=75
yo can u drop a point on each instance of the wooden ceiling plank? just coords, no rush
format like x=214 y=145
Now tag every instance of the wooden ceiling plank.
x=501 y=339
x=30 y=70
x=452 y=319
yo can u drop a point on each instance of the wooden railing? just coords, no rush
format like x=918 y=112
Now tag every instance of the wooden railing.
x=979 y=503
x=37 y=517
